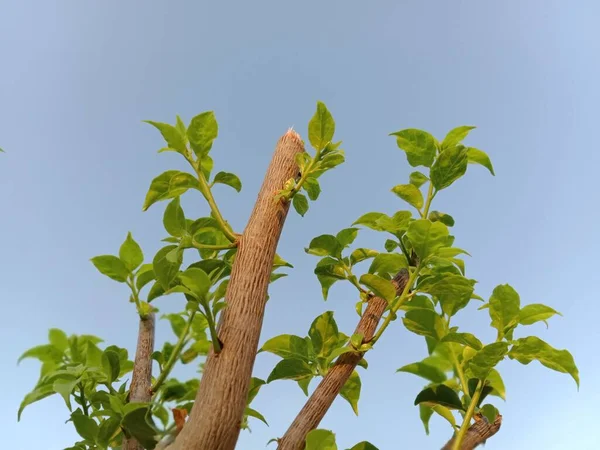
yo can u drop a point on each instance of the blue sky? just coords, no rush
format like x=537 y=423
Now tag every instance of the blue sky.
x=77 y=79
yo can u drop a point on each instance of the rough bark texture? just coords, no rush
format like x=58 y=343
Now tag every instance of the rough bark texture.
x=330 y=386
x=141 y=379
x=215 y=419
x=477 y=433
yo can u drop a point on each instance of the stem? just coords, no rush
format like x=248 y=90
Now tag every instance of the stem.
x=430 y=196
x=168 y=366
x=396 y=307
x=134 y=292
x=460 y=373
x=207 y=193
x=82 y=399
x=468 y=416
x=305 y=175
x=213 y=330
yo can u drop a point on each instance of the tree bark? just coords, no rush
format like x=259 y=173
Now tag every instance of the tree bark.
x=330 y=386
x=141 y=379
x=477 y=433
x=215 y=419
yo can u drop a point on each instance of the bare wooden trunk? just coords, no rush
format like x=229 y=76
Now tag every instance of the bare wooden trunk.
x=477 y=433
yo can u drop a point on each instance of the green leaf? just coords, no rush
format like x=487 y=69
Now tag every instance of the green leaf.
x=419 y=146
x=230 y=179
x=489 y=412
x=425 y=413
x=197 y=281
x=300 y=203
x=410 y=194
x=325 y=245
x=464 y=339
x=505 y=306
x=455 y=136
x=169 y=184
x=165 y=266
x=477 y=156
x=155 y=291
x=453 y=291
x=450 y=165
x=304 y=383
x=287 y=346
x=364 y=445
x=388 y=263
x=486 y=359
x=347 y=236
x=131 y=253
x=253 y=413
x=497 y=384
x=112 y=267
x=174 y=218
x=532 y=348
x=361 y=254
x=323 y=334
x=321 y=127
x=418 y=179
x=446 y=414
x=425 y=323
x=86 y=427
x=111 y=365
x=107 y=430
x=201 y=132
x=255 y=385
x=44 y=353
x=58 y=339
x=144 y=276
x=290 y=369
x=426 y=237
x=138 y=422
x=37 y=394
x=65 y=387
x=320 y=440
x=536 y=312
x=424 y=370
x=380 y=286
x=351 y=391
x=439 y=395
x=172 y=135
x=446 y=219
x=312 y=187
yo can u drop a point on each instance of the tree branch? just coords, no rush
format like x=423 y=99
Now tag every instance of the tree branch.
x=215 y=419
x=477 y=433
x=330 y=386
x=141 y=379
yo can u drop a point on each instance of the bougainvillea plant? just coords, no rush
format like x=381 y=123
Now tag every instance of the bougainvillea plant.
x=417 y=275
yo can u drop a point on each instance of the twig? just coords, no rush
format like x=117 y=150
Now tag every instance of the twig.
x=477 y=433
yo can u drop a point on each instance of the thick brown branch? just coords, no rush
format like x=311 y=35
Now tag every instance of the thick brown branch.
x=141 y=379
x=215 y=419
x=477 y=433
x=330 y=386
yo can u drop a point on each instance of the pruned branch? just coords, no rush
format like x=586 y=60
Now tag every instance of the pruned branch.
x=141 y=379
x=330 y=386
x=215 y=419
x=477 y=433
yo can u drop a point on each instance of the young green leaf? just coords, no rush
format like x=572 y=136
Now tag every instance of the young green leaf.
x=464 y=339
x=453 y=291
x=324 y=245
x=86 y=427
x=388 y=263
x=290 y=369
x=425 y=413
x=230 y=179
x=144 y=275
x=201 y=132
x=446 y=219
x=535 y=312
x=172 y=135
x=107 y=430
x=450 y=165
x=300 y=203
x=323 y=334
x=169 y=184
x=380 y=286
x=364 y=445
x=426 y=323
x=347 y=236
x=64 y=387
x=504 y=307
x=174 y=218
x=58 y=339
x=489 y=412
x=477 y=156
x=131 y=253
x=424 y=370
x=486 y=359
x=497 y=384
x=321 y=127
x=410 y=194
x=456 y=136
x=417 y=179
x=320 y=440
x=427 y=237
x=311 y=186
x=111 y=365
x=197 y=281
x=112 y=267
x=288 y=346
x=439 y=395
x=39 y=393
x=419 y=146
x=532 y=348
x=351 y=391
x=166 y=264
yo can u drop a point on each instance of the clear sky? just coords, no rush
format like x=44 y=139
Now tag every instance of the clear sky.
x=77 y=79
